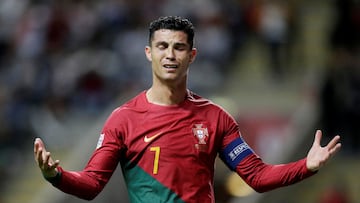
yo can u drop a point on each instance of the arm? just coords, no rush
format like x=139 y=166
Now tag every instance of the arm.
x=85 y=184
x=264 y=177
x=89 y=182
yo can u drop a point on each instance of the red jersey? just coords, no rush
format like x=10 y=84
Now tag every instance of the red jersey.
x=167 y=154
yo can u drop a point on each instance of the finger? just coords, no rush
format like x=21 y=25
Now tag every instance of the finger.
x=333 y=142
x=40 y=143
x=36 y=146
x=335 y=149
x=55 y=164
x=317 y=139
x=47 y=158
x=39 y=158
x=36 y=150
x=44 y=153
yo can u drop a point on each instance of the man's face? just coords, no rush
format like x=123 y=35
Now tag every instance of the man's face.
x=171 y=55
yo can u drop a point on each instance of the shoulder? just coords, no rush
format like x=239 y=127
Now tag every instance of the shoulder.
x=211 y=109
x=200 y=101
x=135 y=104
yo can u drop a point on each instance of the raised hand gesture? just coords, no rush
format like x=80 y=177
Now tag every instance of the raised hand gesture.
x=318 y=155
x=44 y=160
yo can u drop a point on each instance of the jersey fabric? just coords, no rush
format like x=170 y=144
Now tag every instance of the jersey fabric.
x=167 y=154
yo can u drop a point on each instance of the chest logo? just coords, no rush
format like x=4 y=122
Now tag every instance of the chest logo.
x=201 y=133
x=149 y=139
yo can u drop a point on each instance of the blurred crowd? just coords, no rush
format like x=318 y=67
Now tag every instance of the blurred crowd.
x=80 y=55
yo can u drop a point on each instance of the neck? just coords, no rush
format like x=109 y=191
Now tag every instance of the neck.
x=165 y=95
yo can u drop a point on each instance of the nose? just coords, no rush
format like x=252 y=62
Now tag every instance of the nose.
x=170 y=54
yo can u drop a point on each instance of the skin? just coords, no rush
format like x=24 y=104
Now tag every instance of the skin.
x=43 y=159
x=170 y=56
x=317 y=155
x=169 y=84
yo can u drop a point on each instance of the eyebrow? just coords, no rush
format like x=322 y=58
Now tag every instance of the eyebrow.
x=177 y=44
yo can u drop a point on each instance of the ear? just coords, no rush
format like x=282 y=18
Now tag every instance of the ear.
x=193 y=54
x=148 y=53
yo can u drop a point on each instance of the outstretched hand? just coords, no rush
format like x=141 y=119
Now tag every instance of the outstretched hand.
x=318 y=155
x=44 y=160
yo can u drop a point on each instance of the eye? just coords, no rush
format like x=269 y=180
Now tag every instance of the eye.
x=162 y=46
x=181 y=47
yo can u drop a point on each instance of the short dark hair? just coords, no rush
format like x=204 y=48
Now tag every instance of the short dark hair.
x=173 y=23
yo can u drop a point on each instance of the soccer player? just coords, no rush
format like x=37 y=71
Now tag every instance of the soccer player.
x=166 y=138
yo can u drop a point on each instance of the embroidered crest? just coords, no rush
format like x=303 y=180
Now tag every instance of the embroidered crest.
x=202 y=134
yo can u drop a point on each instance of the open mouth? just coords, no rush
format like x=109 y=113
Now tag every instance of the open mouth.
x=170 y=66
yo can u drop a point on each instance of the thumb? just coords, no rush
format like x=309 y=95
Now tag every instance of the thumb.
x=39 y=143
x=39 y=148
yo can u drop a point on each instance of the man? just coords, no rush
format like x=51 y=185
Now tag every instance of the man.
x=167 y=137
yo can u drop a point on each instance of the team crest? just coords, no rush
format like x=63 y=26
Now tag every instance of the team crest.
x=201 y=133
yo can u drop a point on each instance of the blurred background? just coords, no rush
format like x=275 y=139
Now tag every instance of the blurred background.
x=282 y=68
